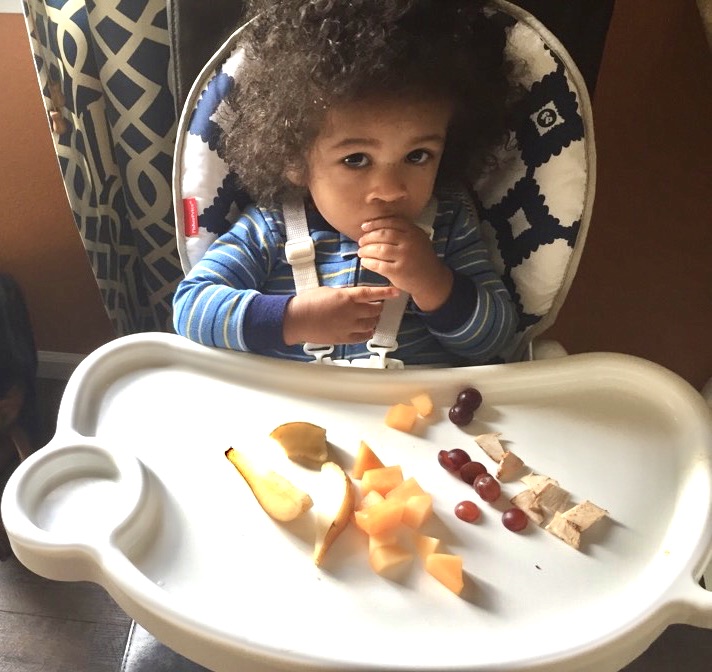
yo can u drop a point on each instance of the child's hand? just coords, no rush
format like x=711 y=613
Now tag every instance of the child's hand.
x=400 y=251
x=335 y=315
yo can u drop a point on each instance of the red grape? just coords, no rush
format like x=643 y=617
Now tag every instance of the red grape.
x=445 y=461
x=460 y=415
x=470 y=398
x=487 y=487
x=514 y=519
x=471 y=470
x=467 y=511
x=458 y=457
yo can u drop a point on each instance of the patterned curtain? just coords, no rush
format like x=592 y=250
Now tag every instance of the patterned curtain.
x=103 y=68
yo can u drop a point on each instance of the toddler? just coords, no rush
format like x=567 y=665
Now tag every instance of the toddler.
x=368 y=118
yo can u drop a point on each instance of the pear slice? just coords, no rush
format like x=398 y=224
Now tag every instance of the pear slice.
x=302 y=441
x=279 y=498
x=335 y=510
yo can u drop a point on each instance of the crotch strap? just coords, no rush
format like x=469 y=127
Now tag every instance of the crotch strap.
x=301 y=255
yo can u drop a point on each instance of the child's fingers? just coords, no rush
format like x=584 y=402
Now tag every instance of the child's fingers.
x=372 y=294
x=395 y=223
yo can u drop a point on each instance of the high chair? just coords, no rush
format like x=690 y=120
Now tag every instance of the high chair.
x=534 y=212
x=534 y=208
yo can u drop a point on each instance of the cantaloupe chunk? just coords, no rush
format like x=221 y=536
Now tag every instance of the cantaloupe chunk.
x=405 y=489
x=381 y=517
x=388 y=560
x=402 y=417
x=382 y=479
x=389 y=538
x=373 y=497
x=425 y=545
x=418 y=509
x=447 y=569
x=365 y=459
x=423 y=404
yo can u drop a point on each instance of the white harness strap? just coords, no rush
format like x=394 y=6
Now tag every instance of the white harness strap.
x=300 y=253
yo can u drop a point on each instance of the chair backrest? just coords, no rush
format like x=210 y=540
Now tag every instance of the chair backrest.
x=534 y=208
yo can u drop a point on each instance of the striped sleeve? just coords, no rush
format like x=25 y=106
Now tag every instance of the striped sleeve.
x=211 y=302
x=489 y=327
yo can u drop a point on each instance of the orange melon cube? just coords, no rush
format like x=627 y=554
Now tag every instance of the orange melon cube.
x=418 y=509
x=381 y=517
x=388 y=560
x=401 y=417
x=373 y=497
x=425 y=545
x=381 y=479
x=389 y=538
x=365 y=459
x=423 y=404
x=447 y=569
x=406 y=489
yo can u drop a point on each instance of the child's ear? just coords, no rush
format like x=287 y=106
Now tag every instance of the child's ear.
x=296 y=176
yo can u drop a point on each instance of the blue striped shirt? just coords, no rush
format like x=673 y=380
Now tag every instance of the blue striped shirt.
x=236 y=295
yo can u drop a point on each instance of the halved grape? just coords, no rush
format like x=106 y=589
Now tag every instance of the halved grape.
x=467 y=511
x=458 y=457
x=471 y=470
x=487 y=487
x=445 y=461
x=470 y=398
x=515 y=519
x=460 y=415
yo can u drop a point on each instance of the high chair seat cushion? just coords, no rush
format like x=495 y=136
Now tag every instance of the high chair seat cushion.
x=534 y=208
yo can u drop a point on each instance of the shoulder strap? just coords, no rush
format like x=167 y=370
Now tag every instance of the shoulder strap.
x=300 y=253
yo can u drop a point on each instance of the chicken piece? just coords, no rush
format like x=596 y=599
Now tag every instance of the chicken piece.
x=551 y=498
x=491 y=445
x=526 y=501
x=584 y=515
x=509 y=466
x=537 y=481
x=565 y=530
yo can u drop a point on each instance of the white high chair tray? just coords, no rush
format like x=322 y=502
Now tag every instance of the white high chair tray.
x=135 y=493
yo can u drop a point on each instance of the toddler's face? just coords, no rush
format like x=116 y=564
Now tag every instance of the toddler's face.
x=375 y=159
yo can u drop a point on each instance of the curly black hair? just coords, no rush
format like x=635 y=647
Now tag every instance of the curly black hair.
x=303 y=56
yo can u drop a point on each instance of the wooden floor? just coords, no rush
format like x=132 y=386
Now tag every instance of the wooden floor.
x=50 y=626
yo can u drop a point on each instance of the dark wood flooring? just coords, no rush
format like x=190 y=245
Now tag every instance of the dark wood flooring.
x=51 y=626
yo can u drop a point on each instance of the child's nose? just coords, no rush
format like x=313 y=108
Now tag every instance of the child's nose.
x=387 y=184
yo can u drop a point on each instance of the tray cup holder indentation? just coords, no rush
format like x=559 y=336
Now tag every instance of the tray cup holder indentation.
x=81 y=493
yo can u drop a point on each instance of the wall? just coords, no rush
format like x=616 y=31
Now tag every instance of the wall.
x=39 y=243
x=645 y=282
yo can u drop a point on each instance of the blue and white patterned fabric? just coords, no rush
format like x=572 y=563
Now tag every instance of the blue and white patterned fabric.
x=110 y=63
x=534 y=208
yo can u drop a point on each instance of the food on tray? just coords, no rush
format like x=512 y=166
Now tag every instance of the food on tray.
x=447 y=569
x=380 y=517
x=405 y=489
x=389 y=561
x=565 y=530
x=418 y=509
x=491 y=445
x=280 y=499
x=382 y=479
x=487 y=487
x=526 y=501
x=463 y=410
x=584 y=515
x=510 y=466
x=515 y=519
x=423 y=404
x=302 y=441
x=336 y=505
x=471 y=470
x=365 y=459
x=551 y=497
x=468 y=511
x=425 y=545
x=402 y=417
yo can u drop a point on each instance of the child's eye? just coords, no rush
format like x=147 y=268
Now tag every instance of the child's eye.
x=357 y=160
x=418 y=156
